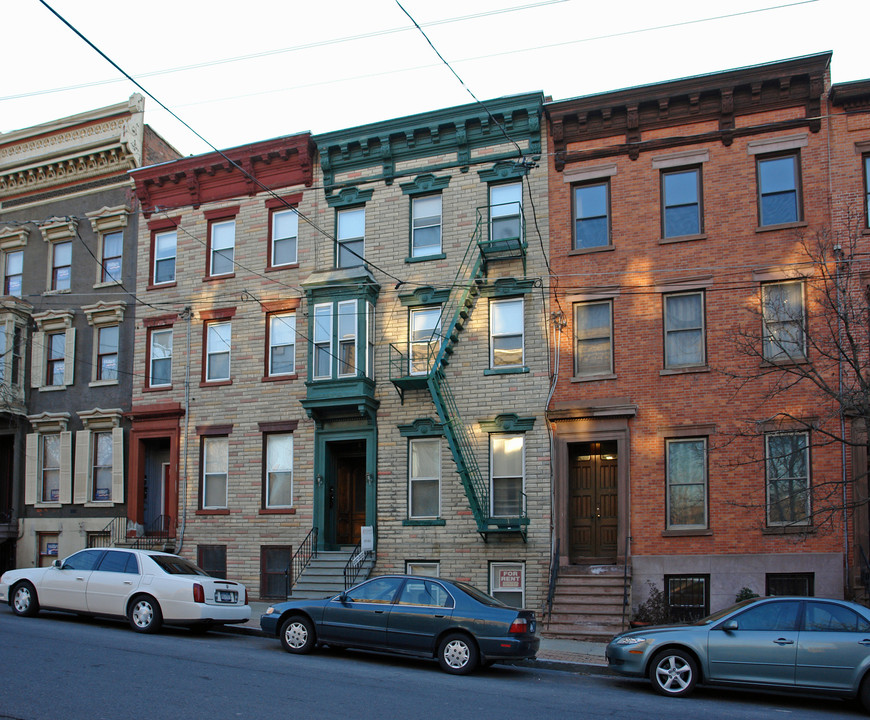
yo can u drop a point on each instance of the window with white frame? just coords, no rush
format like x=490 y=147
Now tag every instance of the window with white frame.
x=506 y=333
x=61 y=265
x=347 y=338
x=13 y=272
x=11 y=338
x=507 y=582
x=779 y=197
x=507 y=471
x=684 y=330
x=593 y=337
x=108 y=224
x=285 y=231
x=322 y=341
x=424 y=478
x=49 y=468
x=425 y=226
x=99 y=458
x=279 y=470
x=687 y=483
x=48 y=460
x=107 y=352
x=787 y=458
x=351 y=237
x=112 y=257
x=505 y=211
x=282 y=344
x=423 y=340
x=222 y=242
x=105 y=318
x=159 y=357
x=783 y=321
x=165 y=248
x=102 y=468
x=426 y=568
x=218 y=345
x=53 y=350
x=215 y=469
x=55 y=363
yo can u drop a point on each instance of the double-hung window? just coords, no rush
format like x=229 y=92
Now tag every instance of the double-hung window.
x=779 y=199
x=347 y=338
x=684 y=330
x=285 y=232
x=218 y=345
x=282 y=344
x=61 y=265
x=107 y=352
x=592 y=215
x=222 y=242
x=49 y=468
x=593 y=330
x=55 y=358
x=423 y=338
x=687 y=483
x=783 y=321
x=425 y=226
x=788 y=478
x=351 y=237
x=507 y=463
x=681 y=202
x=505 y=211
x=322 y=341
x=160 y=357
x=506 y=333
x=215 y=469
x=103 y=451
x=113 y=251
x=424 y=478
x=279 y=470
x=164 y=257
x=13 y=272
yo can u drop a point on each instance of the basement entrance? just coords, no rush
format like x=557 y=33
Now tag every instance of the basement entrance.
x=593 y=502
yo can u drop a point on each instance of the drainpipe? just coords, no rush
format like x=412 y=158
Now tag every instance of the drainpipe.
x=186 y=313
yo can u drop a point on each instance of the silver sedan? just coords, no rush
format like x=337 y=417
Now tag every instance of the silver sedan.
x=804 y=644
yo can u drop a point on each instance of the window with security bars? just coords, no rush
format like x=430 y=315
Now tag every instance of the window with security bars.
x=212 y=559
x=687 y=596
x=274 y=561
x=781 y=584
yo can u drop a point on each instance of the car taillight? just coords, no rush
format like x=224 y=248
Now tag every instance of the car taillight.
x=520 y=625
x=198 y=593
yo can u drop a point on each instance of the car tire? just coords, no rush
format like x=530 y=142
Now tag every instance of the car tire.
x=144 y=614
x=673 y=673
x=457 y=654
x=23 y=600
x=297 y=635
x=864 y=693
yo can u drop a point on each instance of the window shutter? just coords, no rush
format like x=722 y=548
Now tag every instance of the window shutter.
x=82 y=466
x=37 y=360
x=117 y=465
x=65 y=467
x=69 y=357
x=31 y=468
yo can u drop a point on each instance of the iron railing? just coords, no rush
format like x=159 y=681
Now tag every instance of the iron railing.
x=354 y=565
x=554 y=577
x=157 y=532
x=112 y=534
x=301 y=558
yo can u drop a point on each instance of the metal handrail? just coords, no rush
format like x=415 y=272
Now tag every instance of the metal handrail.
x=159 y=530
x=625 y=585
x=354 y=564
x=301 y=558
x=554 y=576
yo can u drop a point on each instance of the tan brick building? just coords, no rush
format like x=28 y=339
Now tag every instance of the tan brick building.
x=680 y=215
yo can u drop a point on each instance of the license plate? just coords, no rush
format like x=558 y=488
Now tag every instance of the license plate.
x=225 y=596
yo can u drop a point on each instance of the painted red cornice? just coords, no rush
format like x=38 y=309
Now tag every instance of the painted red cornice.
x=193 y=181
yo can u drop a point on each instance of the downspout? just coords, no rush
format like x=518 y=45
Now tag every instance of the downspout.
x=186 y=313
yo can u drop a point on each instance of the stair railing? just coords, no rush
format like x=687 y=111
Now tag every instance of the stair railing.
x=301 y=558
x=157 y=533
x=113 y=533
x=626 y=587
x=354 y=565
x=554 y=577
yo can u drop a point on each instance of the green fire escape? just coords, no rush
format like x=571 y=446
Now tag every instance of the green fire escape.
x=423 y=365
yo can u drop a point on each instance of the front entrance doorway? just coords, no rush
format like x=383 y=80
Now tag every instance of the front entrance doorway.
x=346 y=492
x=594 y=502
x=157 y=516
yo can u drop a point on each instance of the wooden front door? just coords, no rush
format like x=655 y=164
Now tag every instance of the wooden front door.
x=350 y=491
x=594 y=502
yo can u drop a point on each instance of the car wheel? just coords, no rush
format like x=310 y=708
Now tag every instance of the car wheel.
x=145 y=615
x=457 y=654
x=673 y=673
x=864 y=693
x=24 y=600
x=297 y=635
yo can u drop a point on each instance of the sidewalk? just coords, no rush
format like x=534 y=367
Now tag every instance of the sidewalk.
x=554 y=654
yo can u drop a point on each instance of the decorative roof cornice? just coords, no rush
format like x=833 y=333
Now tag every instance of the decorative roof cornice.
x=852 y=96
x=457 y=131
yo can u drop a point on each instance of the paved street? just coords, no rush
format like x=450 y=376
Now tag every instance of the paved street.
x=59 y=667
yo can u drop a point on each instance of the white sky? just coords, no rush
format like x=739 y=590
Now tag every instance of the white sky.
x=331 y=64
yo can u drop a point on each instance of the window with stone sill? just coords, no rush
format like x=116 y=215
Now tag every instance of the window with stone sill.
x=13 y=266
x=591 y=215
x=507 y=474
x=506 y=327
x=61 y=265
x=279 y=470
x=593 y=337
x=424 y=478
x=215 y=472
x=221 y=247
x=425 y=226
x=281 y=341
x=783 y=321
x=787 y=464
x=684 y=326
x=779 y=189
x=164 y=253
x=423 y=338
x=681 y=202
x=351 y=231
x=159 y=357
x=112 y=257
x=686 y=469
x=284 y=237
x=218 y=344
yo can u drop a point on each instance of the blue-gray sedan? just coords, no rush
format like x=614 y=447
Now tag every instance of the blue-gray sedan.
x=453 y=621
x=805 y=644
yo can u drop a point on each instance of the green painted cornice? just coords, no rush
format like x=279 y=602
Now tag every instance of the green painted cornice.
x=505 y=170
x=426 y=295
x=507 y=422
x=376 y=149
x=424 y=184
x=505 y=287
x=349 y=196
x=422 y=427
x=341 y=284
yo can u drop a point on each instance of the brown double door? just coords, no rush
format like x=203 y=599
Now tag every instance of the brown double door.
x=594 y=502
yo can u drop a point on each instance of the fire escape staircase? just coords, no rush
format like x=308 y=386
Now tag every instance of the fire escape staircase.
x=470 y=279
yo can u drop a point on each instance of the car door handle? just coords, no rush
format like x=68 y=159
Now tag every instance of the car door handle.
x=865 y=642
x=379 y=612
x=80 y=579
x=440 y=616
x=784 y=641
x=128 y=582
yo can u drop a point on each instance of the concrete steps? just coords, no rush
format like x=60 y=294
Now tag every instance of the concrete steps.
x=587 y=604
x=324 y=575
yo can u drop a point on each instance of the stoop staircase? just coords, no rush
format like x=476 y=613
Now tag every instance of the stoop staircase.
x=324 y=574
x=588 y=604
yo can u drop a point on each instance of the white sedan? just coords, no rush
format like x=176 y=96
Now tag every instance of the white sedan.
x=148 y=588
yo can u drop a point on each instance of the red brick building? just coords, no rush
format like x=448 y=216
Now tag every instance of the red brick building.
x=682 y=293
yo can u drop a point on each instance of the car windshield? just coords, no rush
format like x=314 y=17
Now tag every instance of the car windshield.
x=479 y=595
x=177 y=566
x=719 y=614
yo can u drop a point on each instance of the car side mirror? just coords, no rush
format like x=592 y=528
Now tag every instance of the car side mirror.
x=343 y=597
x=730 y=625
x=56 y=564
